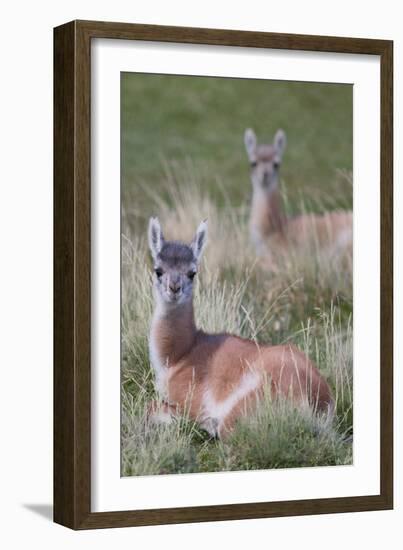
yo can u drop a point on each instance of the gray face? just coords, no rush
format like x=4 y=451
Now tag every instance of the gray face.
x=265 y=168
x=175 y=268
x=264 y=160
x=175 y=263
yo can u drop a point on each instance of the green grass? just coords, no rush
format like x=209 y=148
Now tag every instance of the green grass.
x=203 y=119
x=183 y=160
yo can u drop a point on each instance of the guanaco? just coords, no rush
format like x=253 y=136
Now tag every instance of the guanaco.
x=215 y=378
x=271 y=231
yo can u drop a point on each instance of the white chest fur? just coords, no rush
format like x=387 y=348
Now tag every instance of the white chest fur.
x=158 y=364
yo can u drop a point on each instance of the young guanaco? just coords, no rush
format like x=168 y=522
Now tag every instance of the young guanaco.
x=215 y=378
x=272 y=232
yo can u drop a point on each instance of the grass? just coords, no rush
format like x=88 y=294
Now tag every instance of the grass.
x=183 y=160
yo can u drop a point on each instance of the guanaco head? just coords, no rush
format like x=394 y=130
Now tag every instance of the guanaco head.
x=265 y=160
x=175 y=263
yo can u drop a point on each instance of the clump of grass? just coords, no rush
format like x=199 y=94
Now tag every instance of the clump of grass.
x=136 y=310
x=149 y=448
x=283 y=435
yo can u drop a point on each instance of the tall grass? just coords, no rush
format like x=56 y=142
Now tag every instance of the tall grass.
x=307 y=300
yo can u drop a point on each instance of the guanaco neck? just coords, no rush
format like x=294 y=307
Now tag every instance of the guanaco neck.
x=267 y=216
x=173 y=331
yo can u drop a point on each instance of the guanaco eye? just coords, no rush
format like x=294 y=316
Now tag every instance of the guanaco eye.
x=191 y=275
x=158 y=271
x=276 y=165
x=253 y=164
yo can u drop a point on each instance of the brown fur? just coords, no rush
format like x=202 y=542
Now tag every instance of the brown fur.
x=197 y=361
x=267 y=216
x=330 y=232
x=175 y=333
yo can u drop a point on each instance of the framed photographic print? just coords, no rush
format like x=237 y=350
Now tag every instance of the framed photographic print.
x=223 y=208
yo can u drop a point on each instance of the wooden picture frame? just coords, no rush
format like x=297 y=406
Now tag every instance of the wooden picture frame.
x=72 y=272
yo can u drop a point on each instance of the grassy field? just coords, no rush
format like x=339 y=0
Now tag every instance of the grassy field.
x=183 y=160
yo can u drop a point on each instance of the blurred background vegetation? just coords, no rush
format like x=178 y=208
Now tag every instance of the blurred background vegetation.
x=204 y=119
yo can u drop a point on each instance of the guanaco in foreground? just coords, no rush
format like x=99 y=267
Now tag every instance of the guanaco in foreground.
x=272 y=232
x=214 y=378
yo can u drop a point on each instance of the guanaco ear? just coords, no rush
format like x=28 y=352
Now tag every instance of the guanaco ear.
x=280 y=142
x=200 y=240
x=250 y=144
x=155 y=237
